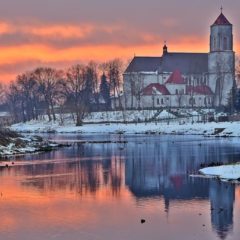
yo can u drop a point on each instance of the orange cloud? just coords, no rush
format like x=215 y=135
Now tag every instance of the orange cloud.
x=44 y=44
x=63 y=31
x=60 y=30
x=5 y=28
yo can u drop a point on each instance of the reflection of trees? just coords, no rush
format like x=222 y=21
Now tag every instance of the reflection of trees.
x=80 y=171
x=82 y=177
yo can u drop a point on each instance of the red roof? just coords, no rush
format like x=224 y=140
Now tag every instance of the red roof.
x=176 y=78
x=222 y=20
x=201 y=90
x=154 y=88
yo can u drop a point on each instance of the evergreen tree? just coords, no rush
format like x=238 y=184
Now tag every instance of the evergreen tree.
x=105 y=90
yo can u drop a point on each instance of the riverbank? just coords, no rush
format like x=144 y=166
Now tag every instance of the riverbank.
x=13 y=143
x=224 y=129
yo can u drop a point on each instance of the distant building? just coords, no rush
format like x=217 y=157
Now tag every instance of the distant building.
x=184 y=79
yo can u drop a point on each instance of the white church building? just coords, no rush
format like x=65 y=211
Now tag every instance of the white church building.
x=184 y=79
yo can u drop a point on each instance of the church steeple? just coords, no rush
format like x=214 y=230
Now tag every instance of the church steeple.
x=221 y=38
x=221 y=20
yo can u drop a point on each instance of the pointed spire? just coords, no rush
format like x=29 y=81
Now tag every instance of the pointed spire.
x=222 y=20
x=165 y=49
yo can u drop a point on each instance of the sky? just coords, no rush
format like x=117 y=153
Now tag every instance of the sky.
x=59 y=33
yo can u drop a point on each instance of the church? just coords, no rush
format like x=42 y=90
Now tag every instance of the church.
x=178 y=79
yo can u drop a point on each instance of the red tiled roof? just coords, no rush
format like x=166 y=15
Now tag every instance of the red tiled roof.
x=201 y=90
x=176 y=78
x=222 y=20
x=153 y=88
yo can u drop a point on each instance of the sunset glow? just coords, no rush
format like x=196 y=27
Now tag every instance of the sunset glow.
x=76 y=33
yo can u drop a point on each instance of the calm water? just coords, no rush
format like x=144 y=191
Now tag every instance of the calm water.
x=98 y=191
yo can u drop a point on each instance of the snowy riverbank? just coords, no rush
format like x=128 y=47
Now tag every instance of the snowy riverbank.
x=12 y=143
x=224 y=129
x=225 y=172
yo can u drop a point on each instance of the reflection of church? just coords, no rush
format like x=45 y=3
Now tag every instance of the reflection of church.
x=222 y=196
x=160 y=170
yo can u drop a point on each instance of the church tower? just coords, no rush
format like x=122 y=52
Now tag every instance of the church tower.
x=221 y=61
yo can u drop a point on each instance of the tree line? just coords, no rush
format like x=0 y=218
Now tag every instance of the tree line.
x=80 y=89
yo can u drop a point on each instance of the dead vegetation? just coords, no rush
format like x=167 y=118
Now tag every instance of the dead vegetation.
x=8 y=136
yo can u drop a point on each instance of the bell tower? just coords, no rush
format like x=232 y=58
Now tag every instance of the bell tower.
x=221 y=60
x=221 y=38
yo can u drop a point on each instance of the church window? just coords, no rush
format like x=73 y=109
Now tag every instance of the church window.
x=158 y=101
x=176 y=91
x=205 y=101
x=225 y=43
x=214 y=43
x=162 y=101
x=192 y=101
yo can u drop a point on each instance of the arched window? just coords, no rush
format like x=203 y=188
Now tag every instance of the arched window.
x=205 y=101
x=176 y=91
x=190 y=101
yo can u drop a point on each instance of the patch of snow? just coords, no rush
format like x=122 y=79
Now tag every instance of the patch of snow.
x=231 y=172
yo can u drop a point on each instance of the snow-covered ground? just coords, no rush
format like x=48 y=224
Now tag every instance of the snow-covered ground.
x=126 y=116
x=225 y=172
x=184 y=121
x=231 y=129
x=22 y=145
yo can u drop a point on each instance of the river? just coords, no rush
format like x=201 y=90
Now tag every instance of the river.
x=101 y=187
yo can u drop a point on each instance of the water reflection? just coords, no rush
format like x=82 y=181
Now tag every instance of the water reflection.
x=222 y=196
x=150 y=168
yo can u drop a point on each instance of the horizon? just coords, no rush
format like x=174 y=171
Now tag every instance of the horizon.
x=34 y=34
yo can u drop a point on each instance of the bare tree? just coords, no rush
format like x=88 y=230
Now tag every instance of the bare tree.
x=47 y=79
x=114 y=71
x=75 y=90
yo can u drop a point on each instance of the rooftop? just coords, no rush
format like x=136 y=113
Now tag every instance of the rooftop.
x=221 y=20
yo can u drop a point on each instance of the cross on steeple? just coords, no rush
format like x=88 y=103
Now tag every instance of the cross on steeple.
x=221 y=9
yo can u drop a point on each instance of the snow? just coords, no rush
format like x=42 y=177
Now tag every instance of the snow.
x=179 y=121
x=12 y=149
x=29 y=144
x=231 y=172
x=119 y=116
x=165 y=115
x=227 y=129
